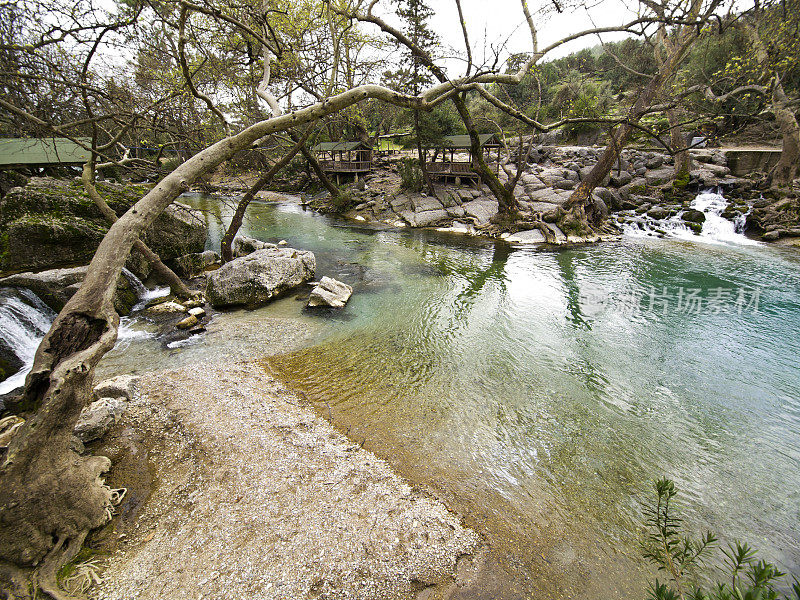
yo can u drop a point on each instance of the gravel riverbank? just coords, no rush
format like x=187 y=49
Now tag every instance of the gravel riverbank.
x=239 y=490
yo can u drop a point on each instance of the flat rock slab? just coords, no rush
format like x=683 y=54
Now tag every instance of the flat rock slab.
x=330 y=292
x=482 y=210
x=532 y=236
x=258 y=497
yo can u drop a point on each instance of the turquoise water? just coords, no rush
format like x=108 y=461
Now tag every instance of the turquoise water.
x=541 y=391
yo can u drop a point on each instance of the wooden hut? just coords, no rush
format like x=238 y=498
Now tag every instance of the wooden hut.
x=340 y=158
x=444 y=164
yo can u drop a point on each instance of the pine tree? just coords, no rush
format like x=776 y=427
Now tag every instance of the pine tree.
x=412 y=77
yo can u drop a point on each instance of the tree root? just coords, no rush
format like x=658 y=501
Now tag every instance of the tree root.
x=86 y=574
x=46 y=576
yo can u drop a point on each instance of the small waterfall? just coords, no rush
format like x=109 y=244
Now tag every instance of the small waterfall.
x=716 y=228
x=135 y=282
x=24 y=320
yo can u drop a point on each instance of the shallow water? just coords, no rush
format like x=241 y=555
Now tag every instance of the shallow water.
x=540 y=392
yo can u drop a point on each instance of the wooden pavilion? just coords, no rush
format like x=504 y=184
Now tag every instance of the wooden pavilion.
x=341 y=158
x=448 y=167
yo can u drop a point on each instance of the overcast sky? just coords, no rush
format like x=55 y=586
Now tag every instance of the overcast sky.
x=499 y=23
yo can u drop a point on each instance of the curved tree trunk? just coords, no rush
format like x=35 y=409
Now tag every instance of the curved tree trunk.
x=49 y=496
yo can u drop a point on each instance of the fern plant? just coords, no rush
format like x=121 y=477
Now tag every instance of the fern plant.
x=741 y=576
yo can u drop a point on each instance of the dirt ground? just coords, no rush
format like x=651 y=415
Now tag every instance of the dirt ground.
x=237 y=489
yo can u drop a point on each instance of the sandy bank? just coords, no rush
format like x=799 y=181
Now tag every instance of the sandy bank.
x=239 y=490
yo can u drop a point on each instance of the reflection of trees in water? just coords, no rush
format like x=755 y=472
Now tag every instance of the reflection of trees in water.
x=565 y=260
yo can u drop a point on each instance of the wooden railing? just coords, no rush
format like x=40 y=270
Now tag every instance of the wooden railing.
x=451 y=168
x=345 y=166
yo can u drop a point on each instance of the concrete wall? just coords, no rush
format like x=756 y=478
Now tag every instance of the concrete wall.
x=743 y=162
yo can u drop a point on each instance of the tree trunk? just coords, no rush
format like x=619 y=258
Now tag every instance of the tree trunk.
x=421 y=154
x=317 y=168
x=680 y=151
x=238 y=217
x=783 y=173
x=508 y=210
x=578 y=211
x=166 y=274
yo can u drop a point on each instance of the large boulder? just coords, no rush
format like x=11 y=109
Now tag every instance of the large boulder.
x=53 y=223
x=55 y=286
x=330 y=292
x=255 y=279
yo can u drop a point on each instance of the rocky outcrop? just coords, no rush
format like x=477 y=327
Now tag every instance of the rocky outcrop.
x=777 y=216
x=255 y=279
x=55 y=286
x=97 y=418
x=330 y=292
x=52 y=223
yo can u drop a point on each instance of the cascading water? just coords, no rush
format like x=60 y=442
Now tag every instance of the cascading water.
x=24 y=320
x=716 y=228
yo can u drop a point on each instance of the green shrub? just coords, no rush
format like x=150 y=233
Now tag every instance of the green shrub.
x=410 y=174
x=741 y=575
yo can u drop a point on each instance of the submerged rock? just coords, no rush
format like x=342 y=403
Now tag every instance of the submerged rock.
x=330 y=292
x=255 y=279
x=188 y=322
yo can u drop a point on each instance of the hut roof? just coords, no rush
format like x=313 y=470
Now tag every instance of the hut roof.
x=42 y=151
x=341 y=146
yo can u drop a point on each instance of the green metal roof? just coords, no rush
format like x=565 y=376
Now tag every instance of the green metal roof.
x=463 y=141
x=42 y=151
x=340 y=146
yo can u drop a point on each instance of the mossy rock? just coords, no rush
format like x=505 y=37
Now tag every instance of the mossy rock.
x=694 y=216
x=52 y=223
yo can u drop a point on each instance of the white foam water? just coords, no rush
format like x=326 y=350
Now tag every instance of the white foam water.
x=716 y=228
x=24 y=320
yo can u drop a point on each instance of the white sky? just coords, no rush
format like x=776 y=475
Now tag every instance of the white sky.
x=501 y=23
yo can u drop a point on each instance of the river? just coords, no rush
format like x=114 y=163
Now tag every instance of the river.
x=540 y=391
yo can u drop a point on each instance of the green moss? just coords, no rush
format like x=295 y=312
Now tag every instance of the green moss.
x=84 y=554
